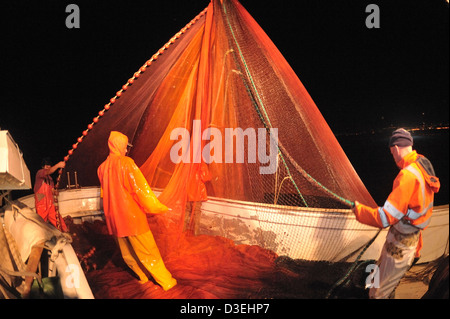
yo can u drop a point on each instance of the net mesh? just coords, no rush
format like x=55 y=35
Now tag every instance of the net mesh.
x=219 y=74
x=209 y=267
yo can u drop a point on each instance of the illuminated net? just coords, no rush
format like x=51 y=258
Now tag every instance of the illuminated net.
x=223 y=72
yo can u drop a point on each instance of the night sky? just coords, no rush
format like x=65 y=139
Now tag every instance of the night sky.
x=55 y=79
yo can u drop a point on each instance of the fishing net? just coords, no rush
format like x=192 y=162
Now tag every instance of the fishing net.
x=208 y=267
x=218 y=112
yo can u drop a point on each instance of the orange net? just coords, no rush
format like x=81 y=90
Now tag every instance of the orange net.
x=213 y=98
x=208 y=267
x=223 y=71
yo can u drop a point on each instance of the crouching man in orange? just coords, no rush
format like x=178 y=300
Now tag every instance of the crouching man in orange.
x=407 y=210
x=127 y=198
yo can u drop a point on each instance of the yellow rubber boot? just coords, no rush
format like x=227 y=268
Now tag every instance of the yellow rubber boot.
x=144 y=246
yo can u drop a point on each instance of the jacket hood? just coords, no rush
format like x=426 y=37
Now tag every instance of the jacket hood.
x=433 y=182
x=425 y=167
x=428 y=173
x=117 y=143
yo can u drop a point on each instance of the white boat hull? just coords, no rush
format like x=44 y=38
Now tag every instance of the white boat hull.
x=297 y=232
x=14 y=173
x=29 y=230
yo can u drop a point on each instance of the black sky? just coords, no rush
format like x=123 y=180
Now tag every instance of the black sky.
x=55 y=79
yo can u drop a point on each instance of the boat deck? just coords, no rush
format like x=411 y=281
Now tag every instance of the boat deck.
x=410 y=287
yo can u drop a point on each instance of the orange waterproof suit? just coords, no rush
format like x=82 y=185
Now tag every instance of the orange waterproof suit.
x=410 y=204
x=43 y=198
x=408 y=211
x=127 y=198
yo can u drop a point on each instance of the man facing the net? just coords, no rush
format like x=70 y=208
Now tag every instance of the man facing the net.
x=407 y=210
x=127 y=198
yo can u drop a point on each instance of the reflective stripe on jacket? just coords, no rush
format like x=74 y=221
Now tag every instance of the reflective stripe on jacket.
x=411 y=199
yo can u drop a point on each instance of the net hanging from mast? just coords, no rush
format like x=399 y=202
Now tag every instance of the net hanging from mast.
x=220 y=74
x=224 y=71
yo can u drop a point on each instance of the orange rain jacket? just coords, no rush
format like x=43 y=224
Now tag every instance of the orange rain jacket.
x=43 y=199
x=127 y=197
x=411 y=199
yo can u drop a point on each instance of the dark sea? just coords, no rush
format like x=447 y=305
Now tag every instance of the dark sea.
x=370 y=156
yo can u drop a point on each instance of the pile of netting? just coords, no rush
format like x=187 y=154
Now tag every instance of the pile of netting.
x=209 y=267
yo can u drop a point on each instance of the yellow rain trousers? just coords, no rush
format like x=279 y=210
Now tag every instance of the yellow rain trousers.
x=142 y=255
x=127 y=199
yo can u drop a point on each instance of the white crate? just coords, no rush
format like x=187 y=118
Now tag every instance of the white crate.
x=14 y=173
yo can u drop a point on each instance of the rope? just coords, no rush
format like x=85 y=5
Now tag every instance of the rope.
x=353 y=267
x=256 y=105
x=56 y=202
x=315 y=182
x=130 y=81
x=13 y=273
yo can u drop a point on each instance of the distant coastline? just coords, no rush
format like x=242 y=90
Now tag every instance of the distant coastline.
x=423 y=128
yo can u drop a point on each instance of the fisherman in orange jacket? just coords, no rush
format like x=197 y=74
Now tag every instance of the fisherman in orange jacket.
x=407 y=210
x=43 y=194
x=127 y=198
